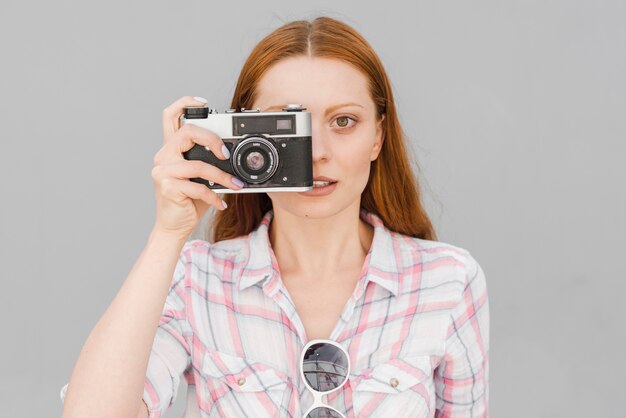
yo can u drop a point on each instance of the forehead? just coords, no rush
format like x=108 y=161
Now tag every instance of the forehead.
x=312 y=81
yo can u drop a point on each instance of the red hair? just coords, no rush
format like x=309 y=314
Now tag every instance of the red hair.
x=392 y=191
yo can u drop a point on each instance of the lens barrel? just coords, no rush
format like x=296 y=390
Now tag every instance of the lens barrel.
x=255 y=160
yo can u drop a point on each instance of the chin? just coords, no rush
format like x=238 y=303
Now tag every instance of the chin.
x=301 y=207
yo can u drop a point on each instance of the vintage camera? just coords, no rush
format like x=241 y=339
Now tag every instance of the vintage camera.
x=269 y=151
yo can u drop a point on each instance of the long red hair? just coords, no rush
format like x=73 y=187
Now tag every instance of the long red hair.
x=392 y=191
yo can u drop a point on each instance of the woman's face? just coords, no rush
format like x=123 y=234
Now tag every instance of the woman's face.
x=345 y=132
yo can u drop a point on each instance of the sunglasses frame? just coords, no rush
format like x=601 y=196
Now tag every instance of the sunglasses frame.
x=317 y=395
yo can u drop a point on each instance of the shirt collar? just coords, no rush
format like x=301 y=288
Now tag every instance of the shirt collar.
x=384 y=257
x=259 y=265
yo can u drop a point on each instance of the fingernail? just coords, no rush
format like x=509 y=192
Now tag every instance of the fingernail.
x=224 y=204
x=238 y=182
x=200 y=99
x=225 y=151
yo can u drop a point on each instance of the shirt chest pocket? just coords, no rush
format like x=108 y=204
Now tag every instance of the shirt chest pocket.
x=396 y=387
x=245 y=388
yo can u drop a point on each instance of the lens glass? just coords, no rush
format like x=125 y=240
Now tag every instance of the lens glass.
x=325 y=367
x=255 y=161
x=322 y=412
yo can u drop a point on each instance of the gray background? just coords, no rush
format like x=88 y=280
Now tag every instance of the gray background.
x=515 y=112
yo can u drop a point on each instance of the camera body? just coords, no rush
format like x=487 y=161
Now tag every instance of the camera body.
x=269 y=151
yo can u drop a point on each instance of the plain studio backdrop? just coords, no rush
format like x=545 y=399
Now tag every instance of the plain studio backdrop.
x=515 y=112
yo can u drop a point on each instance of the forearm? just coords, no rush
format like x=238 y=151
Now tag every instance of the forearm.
x=108 y=378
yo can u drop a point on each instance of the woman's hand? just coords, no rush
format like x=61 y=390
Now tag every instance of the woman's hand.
x=181 y=203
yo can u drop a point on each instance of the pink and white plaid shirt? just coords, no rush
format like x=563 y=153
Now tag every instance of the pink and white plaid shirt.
x=416 y=328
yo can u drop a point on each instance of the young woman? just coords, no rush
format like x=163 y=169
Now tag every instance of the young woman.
x=352 y=265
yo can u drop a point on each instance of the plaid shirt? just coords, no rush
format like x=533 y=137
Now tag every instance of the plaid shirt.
x=416 y=328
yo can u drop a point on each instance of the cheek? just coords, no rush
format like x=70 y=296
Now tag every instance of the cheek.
x=355 y=166
x=355 y=154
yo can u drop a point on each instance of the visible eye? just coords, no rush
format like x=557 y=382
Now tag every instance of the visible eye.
x=344 y=122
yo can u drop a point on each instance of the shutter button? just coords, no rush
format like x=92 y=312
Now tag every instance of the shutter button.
x=394 y=382
x=241 y=381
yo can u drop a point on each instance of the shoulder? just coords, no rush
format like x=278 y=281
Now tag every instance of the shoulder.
x=199 y=252
x=435 y=263
x=418 y=250
x=197 y=248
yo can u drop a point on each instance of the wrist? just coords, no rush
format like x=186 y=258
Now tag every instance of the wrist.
x=172 y=236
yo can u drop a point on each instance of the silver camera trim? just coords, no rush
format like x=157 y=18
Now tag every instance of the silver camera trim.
x=222 y=123
x=264 y=190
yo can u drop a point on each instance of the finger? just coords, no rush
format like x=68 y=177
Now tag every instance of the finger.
x=194 y=168
x=190 y=134
x=203 y=195
x=171 y=114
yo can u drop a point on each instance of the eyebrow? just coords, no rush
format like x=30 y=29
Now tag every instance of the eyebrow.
x=329 y=110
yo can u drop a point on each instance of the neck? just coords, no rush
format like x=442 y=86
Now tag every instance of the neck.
x=320 y=248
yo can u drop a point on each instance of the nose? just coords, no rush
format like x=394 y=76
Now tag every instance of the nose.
x=319 y=141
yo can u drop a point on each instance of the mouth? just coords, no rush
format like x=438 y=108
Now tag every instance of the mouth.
x=323 y=181
x=319 y=183
x=322 y=186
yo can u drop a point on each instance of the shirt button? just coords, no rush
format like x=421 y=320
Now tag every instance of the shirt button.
x=394 y=382
x=241 y=381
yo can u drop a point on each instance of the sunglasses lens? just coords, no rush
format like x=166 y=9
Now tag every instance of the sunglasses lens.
x=325 y=368
x=322 y=412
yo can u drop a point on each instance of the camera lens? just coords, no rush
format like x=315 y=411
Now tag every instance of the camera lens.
x=256 y=159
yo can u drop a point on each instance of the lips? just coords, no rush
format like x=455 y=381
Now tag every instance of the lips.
x=322 y=181
x=320 y=189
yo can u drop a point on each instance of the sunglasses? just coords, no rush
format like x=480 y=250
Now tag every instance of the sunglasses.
x=324 y=368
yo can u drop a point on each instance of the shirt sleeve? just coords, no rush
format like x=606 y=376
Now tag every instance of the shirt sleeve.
x=170 y=355
x=462 y=377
